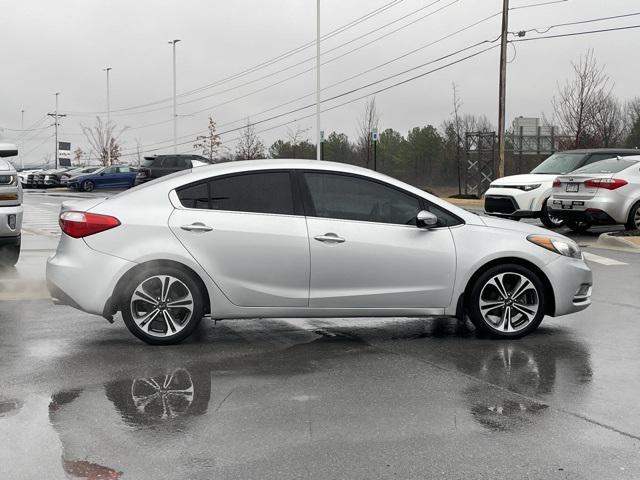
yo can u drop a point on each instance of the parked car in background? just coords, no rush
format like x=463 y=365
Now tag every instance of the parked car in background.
x=161 y=165
x=54 y=177
x=26 y=177
x=76 y=172
x=603 y=193
x=10 y=208
x=115 y=176
x=274 y=238
x=525 y=196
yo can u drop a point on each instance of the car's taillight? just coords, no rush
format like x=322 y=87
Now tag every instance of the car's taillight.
x=556 y=183
x=607 y=183
x=83 y=224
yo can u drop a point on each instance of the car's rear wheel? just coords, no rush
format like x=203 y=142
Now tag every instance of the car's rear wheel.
x=507 y=301
x=88 y=186
x=163 y=305
x=578 y=226
x=633 y=222
x=548 y=220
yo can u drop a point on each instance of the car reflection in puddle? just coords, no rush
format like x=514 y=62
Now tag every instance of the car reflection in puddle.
x=146 y=425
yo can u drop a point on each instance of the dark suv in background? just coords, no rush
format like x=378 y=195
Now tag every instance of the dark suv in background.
x=161 y=165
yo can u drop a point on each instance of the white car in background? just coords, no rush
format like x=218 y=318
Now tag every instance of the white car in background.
x=525 y=196
x=10 y=208
x=603 y=193
x=305 y=238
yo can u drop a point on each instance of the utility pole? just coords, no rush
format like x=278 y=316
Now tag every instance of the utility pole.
x=56 y=116
x=503 y=87
x=175 y=113
x=318 y=149
x=108 y=69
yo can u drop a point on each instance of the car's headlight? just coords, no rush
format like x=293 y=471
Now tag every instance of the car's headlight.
x=563 y=247
x=8 y=180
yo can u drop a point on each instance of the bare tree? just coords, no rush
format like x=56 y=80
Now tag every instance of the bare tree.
x=608 y=121
x=368 y=122
x=103 y=136
x=577 y=101
x=138 y=152
x=250 y=145
x=210 y=143
x=78 y=155
x=632 y=123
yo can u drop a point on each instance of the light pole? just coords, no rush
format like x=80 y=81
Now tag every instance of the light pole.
x=175 y=113
x=108 y=69
x=22 y=128
x=318 y=149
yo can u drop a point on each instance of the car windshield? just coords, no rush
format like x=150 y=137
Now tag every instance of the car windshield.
x=611 y=165
x=559 y=163
x=100 y=170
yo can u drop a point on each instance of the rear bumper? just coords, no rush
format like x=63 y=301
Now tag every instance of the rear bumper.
x=572 y=283
x=82 y=277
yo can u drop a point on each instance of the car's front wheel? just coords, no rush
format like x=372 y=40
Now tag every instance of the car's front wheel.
x=163 y=305
x=548 y=220
x=9 y=255
x=507 y=301
x=88 y=186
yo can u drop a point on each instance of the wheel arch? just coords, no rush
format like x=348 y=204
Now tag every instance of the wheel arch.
x=550 y=307
x=114 y=303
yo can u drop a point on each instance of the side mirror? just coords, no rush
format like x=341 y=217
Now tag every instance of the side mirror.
x=426 y=219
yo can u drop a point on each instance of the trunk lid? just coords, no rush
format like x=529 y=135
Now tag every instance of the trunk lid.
x=576 y=187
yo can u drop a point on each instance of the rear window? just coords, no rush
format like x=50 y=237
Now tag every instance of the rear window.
x=612 y=165
x=148 y=162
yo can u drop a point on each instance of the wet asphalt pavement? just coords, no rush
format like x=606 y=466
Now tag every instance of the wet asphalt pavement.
x=318 y=398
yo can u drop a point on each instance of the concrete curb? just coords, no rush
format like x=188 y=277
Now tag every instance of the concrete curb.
x=606 y=240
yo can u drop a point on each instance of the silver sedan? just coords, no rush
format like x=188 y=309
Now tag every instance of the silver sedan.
x=290 y=238
x=604 y=193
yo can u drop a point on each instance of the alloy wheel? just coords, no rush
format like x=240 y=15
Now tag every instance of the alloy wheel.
x=509 y=302
x=636 y=218
x=161 y=306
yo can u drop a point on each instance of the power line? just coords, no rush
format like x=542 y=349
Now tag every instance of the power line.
x=271 y=61
x=543 y=30
x=573 y=34
x=309 y=59
x=39 y=145
x=388 y=87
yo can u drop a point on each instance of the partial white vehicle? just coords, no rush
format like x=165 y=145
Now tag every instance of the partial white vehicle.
x=525 y=196
x=23 y=176
x=10 y=208
x=603 y=193
x=291 y=238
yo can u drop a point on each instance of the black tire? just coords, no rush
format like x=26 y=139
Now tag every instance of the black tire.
x=633 y=221
x=510 y=271
x=578 y=226
x=9 y=255
x=194 y=288
x=549 y=221
x=88 y=186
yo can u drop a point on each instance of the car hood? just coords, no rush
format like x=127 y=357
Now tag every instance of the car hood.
x=525 y=179
x=525 y=228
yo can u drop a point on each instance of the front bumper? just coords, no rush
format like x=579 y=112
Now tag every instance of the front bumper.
x=506 y=206
x=9 y=215
x=572 y=281
x=82 y=277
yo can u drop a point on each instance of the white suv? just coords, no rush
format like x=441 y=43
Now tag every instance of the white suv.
x=525 y=196
x=10 y=208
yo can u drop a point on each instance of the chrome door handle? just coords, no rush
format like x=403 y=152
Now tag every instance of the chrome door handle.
x=196 y=227
x=329 y=238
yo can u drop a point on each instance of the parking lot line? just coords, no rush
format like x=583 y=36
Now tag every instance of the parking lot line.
x=602 y=260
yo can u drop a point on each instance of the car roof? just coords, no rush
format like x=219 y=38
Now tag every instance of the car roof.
x=602 y=150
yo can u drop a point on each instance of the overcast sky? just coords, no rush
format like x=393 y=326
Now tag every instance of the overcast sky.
x=63 y=46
